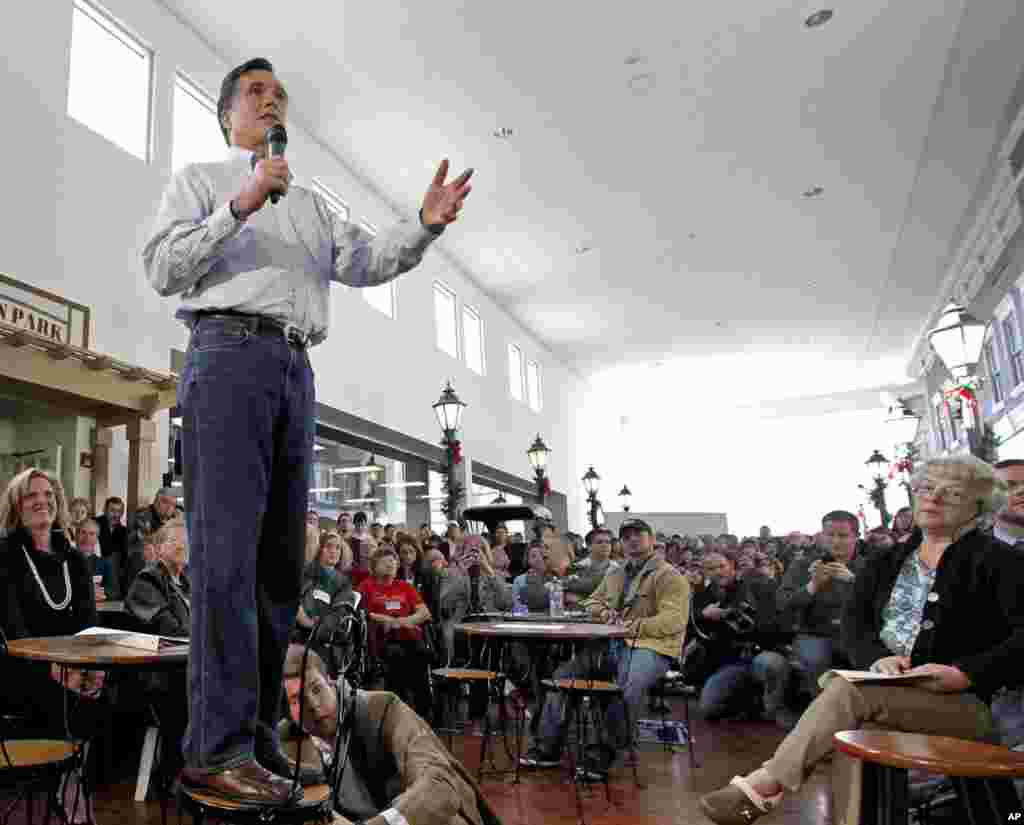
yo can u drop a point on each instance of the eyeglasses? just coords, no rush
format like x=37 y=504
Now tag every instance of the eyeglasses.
x=951 y=495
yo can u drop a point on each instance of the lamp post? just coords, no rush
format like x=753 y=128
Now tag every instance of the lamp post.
x=904 y=424
x=592 y=483
x=626 y=497
x=878 y=470
x=957 y=340
x=538 y=455
x=448 y=409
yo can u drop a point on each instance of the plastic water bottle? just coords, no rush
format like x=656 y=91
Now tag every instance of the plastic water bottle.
x=519 y=607
x=557 y=599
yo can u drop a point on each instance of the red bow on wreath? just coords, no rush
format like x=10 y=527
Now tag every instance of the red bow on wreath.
x=456 y=452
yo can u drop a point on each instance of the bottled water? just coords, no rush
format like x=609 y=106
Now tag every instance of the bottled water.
x=557 y=599
x=519 y=607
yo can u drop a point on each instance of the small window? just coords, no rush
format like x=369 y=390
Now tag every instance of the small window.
x=110 y=80
x=515 y=372
x=473 y=339
x=994 y=374
x=382 y=297
x=446 y=320
x=533 y=385
x=331 y=198
x=940 y=425
x=197 y=137
x=1013 y=350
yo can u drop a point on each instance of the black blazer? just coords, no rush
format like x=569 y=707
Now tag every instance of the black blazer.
x=975 y=623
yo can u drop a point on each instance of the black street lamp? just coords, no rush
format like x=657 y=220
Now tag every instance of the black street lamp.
x=878 y=472
x=626 y=497
x=448 y=409
x=538 y=455
x=592 y=483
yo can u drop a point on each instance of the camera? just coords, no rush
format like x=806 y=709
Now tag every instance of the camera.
x=828 y=558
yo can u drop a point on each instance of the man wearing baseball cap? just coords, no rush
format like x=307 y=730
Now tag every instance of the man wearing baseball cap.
x=651 y=599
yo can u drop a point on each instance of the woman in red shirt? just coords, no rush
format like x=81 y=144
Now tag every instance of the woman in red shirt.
x=396 y=612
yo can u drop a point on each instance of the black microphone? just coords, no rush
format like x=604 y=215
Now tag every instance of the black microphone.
x=277 y=140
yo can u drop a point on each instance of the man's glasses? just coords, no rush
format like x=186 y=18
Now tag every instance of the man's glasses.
x=951 y=495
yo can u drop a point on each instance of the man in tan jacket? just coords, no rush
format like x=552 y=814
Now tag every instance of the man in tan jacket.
x=651 y=599
x=392 y=769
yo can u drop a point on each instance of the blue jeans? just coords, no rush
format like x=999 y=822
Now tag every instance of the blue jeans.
x=732 y=684
x=816 y=655
x=246 y=401
x=635 y=669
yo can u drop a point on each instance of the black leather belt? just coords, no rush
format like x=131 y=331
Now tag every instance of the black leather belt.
x=258 y=325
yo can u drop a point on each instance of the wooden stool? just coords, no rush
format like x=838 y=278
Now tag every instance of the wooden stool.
x=980 y=773
x=457 y=676
x=30 y=764
x=314 y=807
x=575 y=691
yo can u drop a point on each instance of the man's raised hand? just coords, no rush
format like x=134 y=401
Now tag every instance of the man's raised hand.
x=443 y=201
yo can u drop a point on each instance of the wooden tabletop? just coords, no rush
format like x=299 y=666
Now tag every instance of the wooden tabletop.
x=94 y=652
x=570 y=617
x=941 y=754
x=551 y=629
x=110 y=607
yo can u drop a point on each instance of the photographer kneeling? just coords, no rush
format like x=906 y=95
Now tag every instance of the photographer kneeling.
x=384 y=763
x=740 y=631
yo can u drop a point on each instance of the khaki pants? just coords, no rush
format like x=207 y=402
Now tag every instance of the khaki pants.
x=844 y=706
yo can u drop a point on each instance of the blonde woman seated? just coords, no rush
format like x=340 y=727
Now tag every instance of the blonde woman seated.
x=947 y=607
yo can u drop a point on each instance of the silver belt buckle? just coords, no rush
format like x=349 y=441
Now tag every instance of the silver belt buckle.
x=293 y=335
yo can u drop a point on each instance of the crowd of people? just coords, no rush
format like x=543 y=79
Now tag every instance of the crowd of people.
x=756 y=624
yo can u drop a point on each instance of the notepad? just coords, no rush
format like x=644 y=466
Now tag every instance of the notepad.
x=140 y=641
x=870 y=677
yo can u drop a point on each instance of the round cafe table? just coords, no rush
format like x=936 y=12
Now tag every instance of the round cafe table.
x=535 y=633
x=94 y=652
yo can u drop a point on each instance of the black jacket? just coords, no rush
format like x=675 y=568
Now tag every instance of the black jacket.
x=112 y=541
x=976 y=623
x=820 y=614
x=158 y=604
x=758 y=591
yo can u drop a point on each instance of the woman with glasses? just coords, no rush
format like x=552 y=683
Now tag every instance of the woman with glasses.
x=907 y=615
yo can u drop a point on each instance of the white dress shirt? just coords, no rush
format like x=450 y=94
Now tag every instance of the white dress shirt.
x=279 y=262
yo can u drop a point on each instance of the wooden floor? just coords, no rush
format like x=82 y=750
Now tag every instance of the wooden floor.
x=670 y=796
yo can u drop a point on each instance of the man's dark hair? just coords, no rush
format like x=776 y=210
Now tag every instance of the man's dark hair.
x=229 y=89
x=359 y=518
x=841 y=515
x=112 y=500
x=1008 y=463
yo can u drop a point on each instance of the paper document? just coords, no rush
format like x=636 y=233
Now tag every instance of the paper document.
x=869 y=677
x=141 y=641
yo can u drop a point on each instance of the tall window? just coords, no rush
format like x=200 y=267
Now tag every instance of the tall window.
x=473 y=339
x=515 y=372
x=533 y=385
x=445 y=319
x=382 y=297
x=940 y=425
x=197 y=137
x=109 y=84
x=332 y=199
x=1013 y=353
x=994 y=373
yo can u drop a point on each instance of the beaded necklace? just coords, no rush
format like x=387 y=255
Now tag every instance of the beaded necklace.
x=46 y=593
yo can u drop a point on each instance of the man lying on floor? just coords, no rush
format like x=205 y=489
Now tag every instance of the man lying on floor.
x=393 y=769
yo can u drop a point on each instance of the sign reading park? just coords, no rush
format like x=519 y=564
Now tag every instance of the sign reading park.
x=51 y=316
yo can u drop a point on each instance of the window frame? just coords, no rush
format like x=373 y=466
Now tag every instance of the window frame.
x=522 y=371
x=1009 y=329
x=540 y=392
x=440 y=287
x=371 y=230
x=133 y=41
x=995 y=374
x=197 y=93
x=469 y=309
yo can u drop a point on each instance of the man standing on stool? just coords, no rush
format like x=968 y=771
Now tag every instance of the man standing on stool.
x=254 y=277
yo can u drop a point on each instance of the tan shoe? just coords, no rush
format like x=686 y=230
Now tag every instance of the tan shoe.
x=731 y=806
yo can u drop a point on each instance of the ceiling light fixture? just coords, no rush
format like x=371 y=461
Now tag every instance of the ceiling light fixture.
x=814 y=192
x=362 y=500
x=504 y=133
x=635 y=59
x=582 y=249
x=403 y=484
x=819 y=18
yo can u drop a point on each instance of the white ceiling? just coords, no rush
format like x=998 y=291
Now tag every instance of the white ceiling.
x=675 y=139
